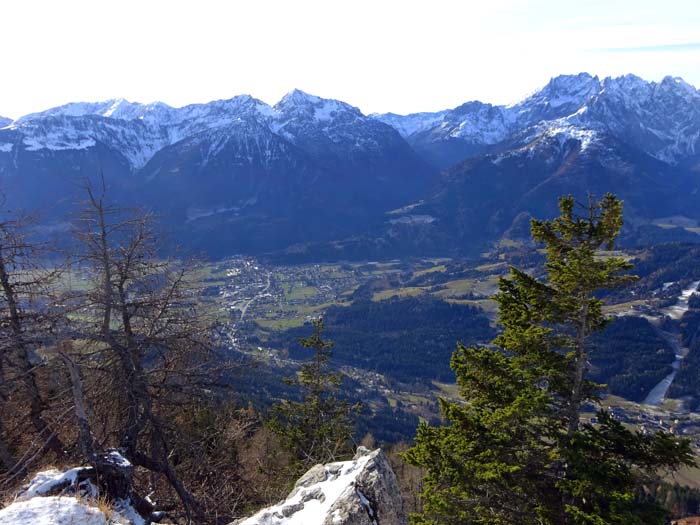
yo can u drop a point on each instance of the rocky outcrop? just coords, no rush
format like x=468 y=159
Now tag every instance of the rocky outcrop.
x=363 y=491
x=77 y=496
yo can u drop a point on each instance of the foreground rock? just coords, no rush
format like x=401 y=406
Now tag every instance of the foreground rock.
x=54 y=510
x=363 y=491
x=71 y=497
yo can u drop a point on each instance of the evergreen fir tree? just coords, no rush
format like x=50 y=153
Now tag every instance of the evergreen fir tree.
x=319 y=428
x=515 y=450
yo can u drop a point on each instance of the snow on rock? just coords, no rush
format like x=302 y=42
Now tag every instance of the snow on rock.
x=54 y=497
x=114 y=457
x=57 y=141
x=363 y=491
x=563 y=131
x=52 y=481
x=54 y=510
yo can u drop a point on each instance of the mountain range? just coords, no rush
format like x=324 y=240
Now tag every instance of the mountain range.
x=662 y=119
x=316 y=178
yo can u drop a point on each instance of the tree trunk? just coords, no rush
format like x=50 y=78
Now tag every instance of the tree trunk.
x=27 y=374
x=580 y=369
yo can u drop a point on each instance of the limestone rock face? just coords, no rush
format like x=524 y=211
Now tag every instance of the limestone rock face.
x=363 y=491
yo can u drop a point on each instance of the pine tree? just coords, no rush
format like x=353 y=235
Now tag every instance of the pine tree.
x=515 y=449
x=319 y=428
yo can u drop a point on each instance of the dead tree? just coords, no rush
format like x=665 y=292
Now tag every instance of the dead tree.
x=110 y=470
x=145 y=341
x=26 y=320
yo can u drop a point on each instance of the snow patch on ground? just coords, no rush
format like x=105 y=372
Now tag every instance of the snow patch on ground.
x=681 y=306
x=6 y=147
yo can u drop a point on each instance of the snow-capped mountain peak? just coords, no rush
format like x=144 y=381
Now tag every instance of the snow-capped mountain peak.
x=563 y=91
x=480 y=124
x=679 y=84
x=138 y=131
x=300 y=103
x=298 y=97
x=662 y=119
x=114 y=108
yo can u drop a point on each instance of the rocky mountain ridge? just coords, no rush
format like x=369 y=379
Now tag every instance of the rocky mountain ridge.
x=139 y=131
x=662 y=119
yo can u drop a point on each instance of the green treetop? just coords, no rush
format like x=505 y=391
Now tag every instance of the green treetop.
x=515 y=450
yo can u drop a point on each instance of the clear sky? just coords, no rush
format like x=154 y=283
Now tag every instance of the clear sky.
x=380 y=55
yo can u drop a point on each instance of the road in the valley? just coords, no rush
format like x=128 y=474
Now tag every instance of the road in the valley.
x=262 y=293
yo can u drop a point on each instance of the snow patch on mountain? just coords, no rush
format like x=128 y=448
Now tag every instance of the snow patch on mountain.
x=564 y=131
x=412 y=124
x=57 y=141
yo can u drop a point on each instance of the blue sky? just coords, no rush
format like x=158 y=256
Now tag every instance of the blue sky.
x=380 y=55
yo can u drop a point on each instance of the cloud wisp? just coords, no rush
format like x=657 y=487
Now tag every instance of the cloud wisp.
x=660 y=48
